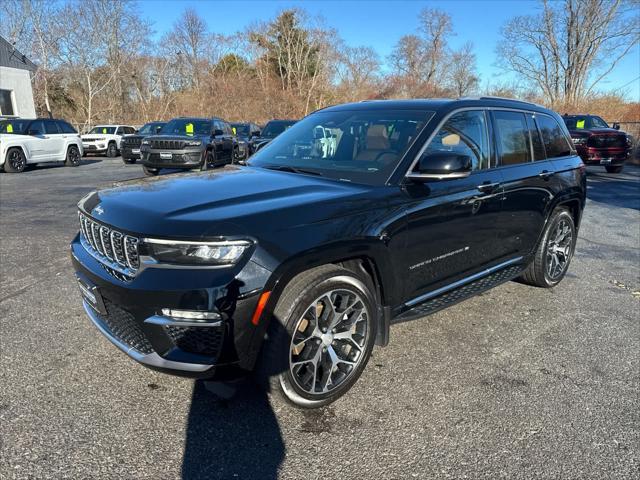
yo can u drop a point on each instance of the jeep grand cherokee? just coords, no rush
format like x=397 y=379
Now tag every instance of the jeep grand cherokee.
x=295 y=265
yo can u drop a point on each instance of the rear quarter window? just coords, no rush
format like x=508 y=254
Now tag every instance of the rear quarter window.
x=554 y=139
x=512 y=135
x=65 y=127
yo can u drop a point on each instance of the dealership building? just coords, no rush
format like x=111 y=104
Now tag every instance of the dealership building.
x=16 y=94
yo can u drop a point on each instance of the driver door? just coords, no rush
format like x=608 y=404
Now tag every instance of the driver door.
x=452 y=225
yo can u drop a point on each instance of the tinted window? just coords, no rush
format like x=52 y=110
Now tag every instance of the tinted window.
x=227 y=129
x=15 y=126
x=512 y=135
x=51 y=127
x=464 y=133
x=37 y=127
x=275 y=127
x=555 y=142
x=65 y=127
x=536 y=141
x=187 y=126
x=103 y=130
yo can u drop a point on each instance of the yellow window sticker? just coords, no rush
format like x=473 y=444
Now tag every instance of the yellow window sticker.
x=9 y=128
x=580 y=124
x=189 y=129
x=104 y=130
x=234 y=130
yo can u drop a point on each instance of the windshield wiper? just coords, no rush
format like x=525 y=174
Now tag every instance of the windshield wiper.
x=287 y=168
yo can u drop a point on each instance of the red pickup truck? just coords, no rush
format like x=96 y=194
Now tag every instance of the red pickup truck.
x=597 y=143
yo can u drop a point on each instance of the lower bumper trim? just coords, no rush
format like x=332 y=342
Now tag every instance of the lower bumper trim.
x=151 y=359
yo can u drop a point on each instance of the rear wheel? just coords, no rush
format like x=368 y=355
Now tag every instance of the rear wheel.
x=614 y=168
x=554 y=253
x=15 y=161
x=112 y=150
x=73 y=156
x=320 y=337
x=150 y=172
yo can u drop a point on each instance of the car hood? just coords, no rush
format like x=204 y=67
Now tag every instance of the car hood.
x=94 y=136
x=177 y=137
x=231 y=201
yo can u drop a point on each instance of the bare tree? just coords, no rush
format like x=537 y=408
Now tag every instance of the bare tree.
x=189 y=38
x=463 y=75
x=570 y=47
x=358 y=72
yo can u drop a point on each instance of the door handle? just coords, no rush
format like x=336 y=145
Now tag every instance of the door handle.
x=546 y=174
x=488 y=187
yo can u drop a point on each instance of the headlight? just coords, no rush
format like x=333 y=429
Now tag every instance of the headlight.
x=194 y=143
x=194 y=253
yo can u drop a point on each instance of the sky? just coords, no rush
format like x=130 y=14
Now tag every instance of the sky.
x=379 y=24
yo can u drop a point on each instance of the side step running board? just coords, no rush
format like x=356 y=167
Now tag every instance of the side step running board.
x=461 y=293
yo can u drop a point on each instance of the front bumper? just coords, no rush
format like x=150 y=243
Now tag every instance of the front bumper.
x=603 y=156
x=130 y=152
x=94 y=147
x=187 y=158
x=129 y=314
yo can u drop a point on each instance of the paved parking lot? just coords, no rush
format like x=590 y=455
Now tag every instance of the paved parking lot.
x=516 y=383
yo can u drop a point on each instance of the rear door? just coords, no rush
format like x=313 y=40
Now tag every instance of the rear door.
x=54 y=142
x=452 y=224
x=529 y=180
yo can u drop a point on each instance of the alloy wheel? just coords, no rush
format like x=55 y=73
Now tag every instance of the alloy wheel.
x=17 y=160
x=74 y=156
x=559 y=249
x=328 y=341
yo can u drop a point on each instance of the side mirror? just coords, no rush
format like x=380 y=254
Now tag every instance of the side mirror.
x=442 y=165
x=616 y=126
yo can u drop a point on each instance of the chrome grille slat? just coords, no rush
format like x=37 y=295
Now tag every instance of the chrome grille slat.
x=114 y=249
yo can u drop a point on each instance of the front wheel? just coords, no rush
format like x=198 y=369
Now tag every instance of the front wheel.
x=553 y=255
x=15 y=161
x=150 y=172
x=112 y=150
x=614 y=168
x=320 y=337
x=73 y=156
x=208 y=162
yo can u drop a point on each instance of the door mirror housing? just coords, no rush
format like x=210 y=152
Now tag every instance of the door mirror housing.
x=441 y=166
x=616 y=126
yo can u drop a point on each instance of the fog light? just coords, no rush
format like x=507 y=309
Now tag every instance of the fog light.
x=192 y=315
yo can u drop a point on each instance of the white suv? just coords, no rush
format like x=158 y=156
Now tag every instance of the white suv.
x=40 y=140
x=105 y=139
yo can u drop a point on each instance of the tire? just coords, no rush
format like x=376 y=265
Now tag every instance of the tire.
x=15 y=161
x=614 y=168
x=554 y=253
x=298 y=372
x=208 y=162
x=73 y=156
x=129 y=161
x=112 y=150
x=150 y=172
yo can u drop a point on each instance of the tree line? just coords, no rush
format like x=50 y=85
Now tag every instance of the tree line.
x=98 y=61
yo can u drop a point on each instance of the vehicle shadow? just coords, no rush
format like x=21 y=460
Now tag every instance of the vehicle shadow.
x=239 y=437
x=619 y=190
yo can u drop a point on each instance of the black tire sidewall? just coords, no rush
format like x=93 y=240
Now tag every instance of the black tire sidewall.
x=8 y=167
x=68 y=161
x=561 y=214
x=150 y=172
x=112 y=150
x=284 y=380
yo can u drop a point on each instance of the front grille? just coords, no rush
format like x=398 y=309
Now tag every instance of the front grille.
x=607 y=141
x=167 y=144
x=124 y=327
x=132 y=142
x=111 y=247
x=199 y=340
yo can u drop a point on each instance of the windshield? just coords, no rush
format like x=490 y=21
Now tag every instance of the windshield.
x=273 y=129
x=151 y=128
x=188 y=126
x=356 y=146
x=240 y=129
x=14 y=126
x=577 y=122
x=103 y=130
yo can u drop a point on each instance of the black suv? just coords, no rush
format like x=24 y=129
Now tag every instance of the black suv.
x=130 y=144
x=245 y=132
x=295 y=265
x=271 y=130
x=188 y=143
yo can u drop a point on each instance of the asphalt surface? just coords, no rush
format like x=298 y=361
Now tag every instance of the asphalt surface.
x=517 y=383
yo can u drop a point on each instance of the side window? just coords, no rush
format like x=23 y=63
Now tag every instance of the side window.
x=464 y=133
x=118 y=131
x=36 y=128
x=553 y=137
x=512 y=134
x=65 y=127
x=130 y=130
x=227 y=129
x=51 y=127
x=536 y=141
